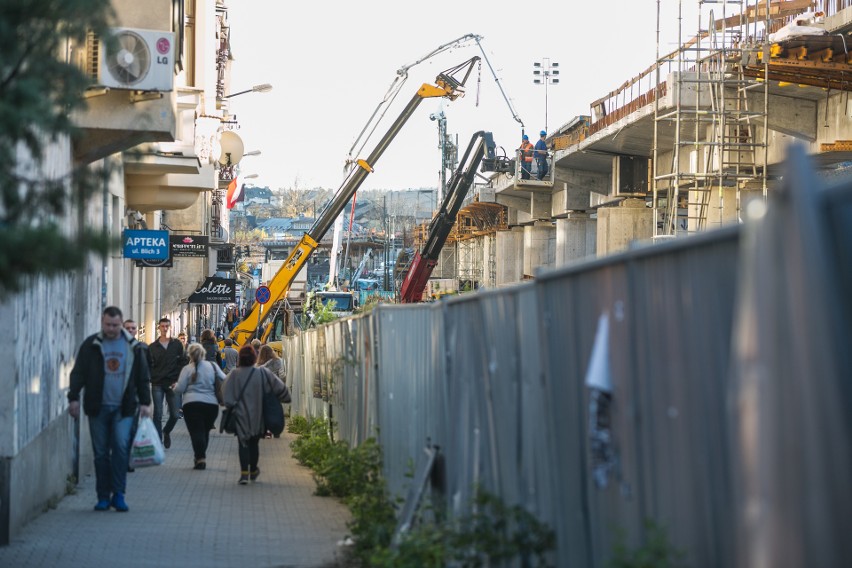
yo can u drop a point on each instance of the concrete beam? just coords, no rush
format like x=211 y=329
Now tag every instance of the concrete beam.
x=789 y=115
x=513 y=202
x=541 y=206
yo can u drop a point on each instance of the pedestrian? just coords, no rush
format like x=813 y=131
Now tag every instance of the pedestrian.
x=182 y=339
x=244 y=390
x=211 y=348
x=167 y=358
x=267 y=357
x=112 y=369
x=541 y=156
x=256 y=343
x=197 y=387
x=230 y=355
x=525 y=155
x=131 y=327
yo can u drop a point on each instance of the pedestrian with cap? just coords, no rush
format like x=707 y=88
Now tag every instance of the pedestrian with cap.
x=525 y=155
x=541 y=156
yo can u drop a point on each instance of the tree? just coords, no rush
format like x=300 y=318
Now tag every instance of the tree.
x=38 y=93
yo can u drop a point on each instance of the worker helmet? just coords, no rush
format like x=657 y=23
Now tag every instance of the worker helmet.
x=543 y=133
x=526 y=137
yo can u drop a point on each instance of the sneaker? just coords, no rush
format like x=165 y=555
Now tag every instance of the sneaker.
x=254 y=474
x=118 y=503
x=167 y=441
x=244 y=477
x=180 y=414
x=200 y=464
x=103 y=505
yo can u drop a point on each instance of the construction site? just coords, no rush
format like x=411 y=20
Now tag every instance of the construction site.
x=661 y=348
x=680 y=148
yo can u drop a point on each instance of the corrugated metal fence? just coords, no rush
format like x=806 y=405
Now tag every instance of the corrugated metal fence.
x=721 y=391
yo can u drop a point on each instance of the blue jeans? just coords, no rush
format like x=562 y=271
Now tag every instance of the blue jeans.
x=110 y=433
x=542 y=167
x=157 y=393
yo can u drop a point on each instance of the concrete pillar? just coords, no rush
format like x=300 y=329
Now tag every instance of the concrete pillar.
x=489 y=259
x=575 y=238
x=539 y=247
x=720 y=210
x=510 y=256
x=617 y=227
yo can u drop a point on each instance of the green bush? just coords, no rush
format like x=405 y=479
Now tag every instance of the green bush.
x=494 y=532
x=349 y=471
x=311 y=448
x=298 y=425
x=657 y=552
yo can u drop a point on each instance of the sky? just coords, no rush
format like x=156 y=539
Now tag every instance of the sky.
x=331 y=64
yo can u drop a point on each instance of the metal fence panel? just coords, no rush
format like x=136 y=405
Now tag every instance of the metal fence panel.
x=408 y=391
x=793 y=439
x=692 y=426
x=680 y=355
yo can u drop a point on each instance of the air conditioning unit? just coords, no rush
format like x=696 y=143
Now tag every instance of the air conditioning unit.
x=132 y=59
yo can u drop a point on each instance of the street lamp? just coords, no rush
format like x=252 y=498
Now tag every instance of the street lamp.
x=263 y=88
x=544 y=73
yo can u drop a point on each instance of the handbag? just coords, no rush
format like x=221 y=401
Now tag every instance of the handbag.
x=218 y=383
x=228 y=423
x=273 y=412
x=147 y=449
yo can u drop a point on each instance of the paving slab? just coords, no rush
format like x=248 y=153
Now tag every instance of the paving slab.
x=180 y=516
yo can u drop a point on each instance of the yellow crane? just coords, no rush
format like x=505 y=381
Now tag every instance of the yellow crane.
x=448 y=84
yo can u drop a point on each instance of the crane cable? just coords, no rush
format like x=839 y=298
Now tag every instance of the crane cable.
x=402 y=77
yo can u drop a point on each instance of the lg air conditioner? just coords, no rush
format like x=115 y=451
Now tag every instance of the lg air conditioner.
x=132 y=59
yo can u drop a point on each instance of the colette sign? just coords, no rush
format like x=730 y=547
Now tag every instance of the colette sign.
x=215 y=290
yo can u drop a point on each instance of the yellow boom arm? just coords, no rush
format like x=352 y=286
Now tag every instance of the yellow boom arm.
x=446 y=85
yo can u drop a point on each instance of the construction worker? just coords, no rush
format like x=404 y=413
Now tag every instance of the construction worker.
x=525 y=155
x=541 y=156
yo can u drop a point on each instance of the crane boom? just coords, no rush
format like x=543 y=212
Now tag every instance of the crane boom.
x=446 y=86
x=481 y=145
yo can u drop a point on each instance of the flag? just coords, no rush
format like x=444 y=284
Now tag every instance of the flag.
x=235 y=193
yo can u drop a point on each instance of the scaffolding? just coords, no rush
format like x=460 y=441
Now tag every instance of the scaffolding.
x=469 y=255
x=717 y=117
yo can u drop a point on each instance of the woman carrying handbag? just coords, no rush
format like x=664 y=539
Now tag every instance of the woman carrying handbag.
x=243 y=393
x=197 y=384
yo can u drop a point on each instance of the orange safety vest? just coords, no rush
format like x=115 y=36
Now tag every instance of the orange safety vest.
x=526 y=151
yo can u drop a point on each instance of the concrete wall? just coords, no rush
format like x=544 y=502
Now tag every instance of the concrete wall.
x=576 y=237
x=617 y=227
x=48 y=320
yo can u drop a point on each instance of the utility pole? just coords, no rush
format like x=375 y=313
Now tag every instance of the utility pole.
x=545 y=73
x=387 y=256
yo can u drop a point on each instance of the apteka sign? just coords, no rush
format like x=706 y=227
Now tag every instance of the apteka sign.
x=146 y=244
x=215 y=291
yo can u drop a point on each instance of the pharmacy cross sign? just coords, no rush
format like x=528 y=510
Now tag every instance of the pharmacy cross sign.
x=263 y=294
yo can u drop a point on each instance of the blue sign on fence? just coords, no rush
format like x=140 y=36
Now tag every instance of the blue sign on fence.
x=146 y=244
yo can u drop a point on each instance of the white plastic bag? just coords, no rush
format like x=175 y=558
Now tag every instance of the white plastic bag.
x=147 y=449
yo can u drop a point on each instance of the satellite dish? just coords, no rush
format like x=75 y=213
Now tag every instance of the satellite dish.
x=232 y=148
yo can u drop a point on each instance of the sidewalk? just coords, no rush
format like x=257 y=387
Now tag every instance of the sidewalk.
x=182 y=517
